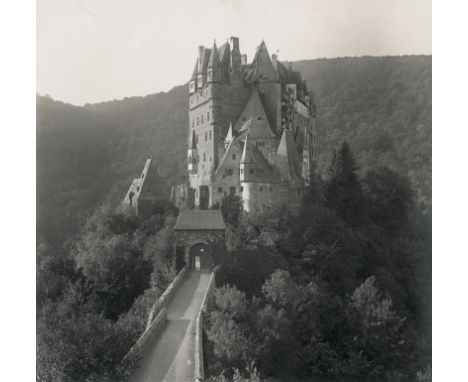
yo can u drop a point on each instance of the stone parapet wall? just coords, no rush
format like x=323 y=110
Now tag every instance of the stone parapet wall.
x=164 y=299
x=199 y=354
x=156 y=327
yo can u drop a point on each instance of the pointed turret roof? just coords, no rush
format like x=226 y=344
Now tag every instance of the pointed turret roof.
x=214 y=57
x=229 y=134
x=193 y=141
x=225 y=53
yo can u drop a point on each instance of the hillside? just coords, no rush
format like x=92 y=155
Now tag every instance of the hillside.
x=86 y=155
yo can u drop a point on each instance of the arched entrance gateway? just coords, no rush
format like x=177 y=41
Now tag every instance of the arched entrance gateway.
x=200 y=257
x=197 y=232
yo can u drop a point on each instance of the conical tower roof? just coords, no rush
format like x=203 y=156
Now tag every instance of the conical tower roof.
x=214 y=57
x=193 y=141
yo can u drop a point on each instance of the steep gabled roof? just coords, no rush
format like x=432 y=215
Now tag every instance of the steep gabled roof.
x=234 y=147
x=200 y=220
x=263 y=172
x=254 y=117
x=288 y=156
x=261 y=67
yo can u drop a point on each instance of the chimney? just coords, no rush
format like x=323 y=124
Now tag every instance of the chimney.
x=244 y=59
x=274 y=60
x=200 y=58
x=235 y=43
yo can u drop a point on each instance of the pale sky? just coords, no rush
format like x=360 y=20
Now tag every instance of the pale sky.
x=99 y=50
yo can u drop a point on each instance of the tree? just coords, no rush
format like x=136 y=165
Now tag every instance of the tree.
x=343 y=192
x=232 y=209
x=390 y=198
x=381 y=333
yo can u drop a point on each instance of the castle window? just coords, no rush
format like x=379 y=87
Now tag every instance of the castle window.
x=251 y=171
x=138 y=188
x=206 y=136
x=241 y=189
x=232 y=190
x=233 y=156
x=198 y=121
x=204 y=157
x=220 y=189
x=202 y=118
x=207 y=115
x=271 y=188
x=210 y=134
x=261 y=189
x=242 y=170
x=196 y=138
x=230 y=171
x=210 y=159
x=193 y=123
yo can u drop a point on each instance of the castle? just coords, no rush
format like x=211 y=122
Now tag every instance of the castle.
x=251 y=130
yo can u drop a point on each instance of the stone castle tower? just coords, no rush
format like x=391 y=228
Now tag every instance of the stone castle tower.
x=251 y=130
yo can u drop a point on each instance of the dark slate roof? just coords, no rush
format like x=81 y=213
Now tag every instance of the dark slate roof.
x=225 y=53
x=254 y=113
x=252 y=156
x=227 y=162
x=287 y=149
x=214 y=58
x=200 y=219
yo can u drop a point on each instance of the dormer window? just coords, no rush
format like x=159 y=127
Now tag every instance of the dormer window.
x=200 y=80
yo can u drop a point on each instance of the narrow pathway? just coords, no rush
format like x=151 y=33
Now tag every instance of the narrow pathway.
x=171 y=358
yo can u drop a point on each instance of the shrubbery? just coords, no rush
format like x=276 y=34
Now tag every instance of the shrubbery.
x=93 y=303
x=351 y=298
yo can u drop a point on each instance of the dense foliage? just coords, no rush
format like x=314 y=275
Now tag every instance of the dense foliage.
x=340 y=290
x=86 y=155
x=93 y=299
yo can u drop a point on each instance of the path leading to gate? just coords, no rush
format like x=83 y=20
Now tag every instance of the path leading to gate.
x=172 y=356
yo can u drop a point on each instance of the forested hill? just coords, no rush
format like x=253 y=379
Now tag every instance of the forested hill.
x=86 y=155
x=382 y=106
